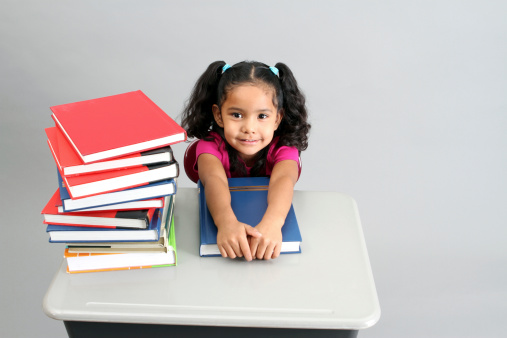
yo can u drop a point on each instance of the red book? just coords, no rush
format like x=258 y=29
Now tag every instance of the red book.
x=70 y=164
x=136 y=219
x=116 y=180
x=133 y=205
x=115 y=126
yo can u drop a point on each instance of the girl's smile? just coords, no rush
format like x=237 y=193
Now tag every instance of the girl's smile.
x=249 y=119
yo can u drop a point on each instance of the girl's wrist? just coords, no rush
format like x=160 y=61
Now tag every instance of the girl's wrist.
x=274 y=220
x=225 y=220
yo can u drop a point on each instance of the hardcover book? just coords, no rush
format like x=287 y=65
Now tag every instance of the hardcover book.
x=74 y=234
x=87 y=249
x=149 y=191
x=135 y=205
x=134 y=219
x=249 y=203
x=117 y=180
x=70 y=164
x=115 y=126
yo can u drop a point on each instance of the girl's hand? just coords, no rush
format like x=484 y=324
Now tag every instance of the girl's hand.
x=232 y=240
x=269 y=244
x=280 y=192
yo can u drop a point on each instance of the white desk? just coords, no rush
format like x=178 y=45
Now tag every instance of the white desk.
x=329 y=286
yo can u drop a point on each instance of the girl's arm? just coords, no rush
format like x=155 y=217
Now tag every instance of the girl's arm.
x=232 y=235
x=280 y=191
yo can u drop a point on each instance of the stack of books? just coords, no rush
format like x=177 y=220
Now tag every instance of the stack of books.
x=117 y=180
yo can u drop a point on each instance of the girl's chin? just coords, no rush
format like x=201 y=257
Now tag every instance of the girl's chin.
x=248 y=149
x=247 y=154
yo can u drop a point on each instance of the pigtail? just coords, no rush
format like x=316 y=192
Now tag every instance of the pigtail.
x=294 y=128
x=197 y=118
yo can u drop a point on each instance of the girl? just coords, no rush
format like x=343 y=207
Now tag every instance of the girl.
x=251 y=120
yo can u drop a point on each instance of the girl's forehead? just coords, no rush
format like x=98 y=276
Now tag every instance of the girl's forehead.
x=250 y=92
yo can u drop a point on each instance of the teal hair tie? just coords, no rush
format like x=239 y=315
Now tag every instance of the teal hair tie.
x=274 y=70
x=225 y=67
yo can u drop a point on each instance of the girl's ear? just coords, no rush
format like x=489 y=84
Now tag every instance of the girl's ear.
x=217 y=115
x=279 y=117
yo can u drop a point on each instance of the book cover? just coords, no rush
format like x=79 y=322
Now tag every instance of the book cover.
x=87 y=249
x=64 y=193
x=134 y=205
x=74 y=234
x=115 y=219
x=130 y=260
x=249 y=203
x=135 y=219
x=70 y=164
x=116 y=180
x=149 y=191
x=116 y=125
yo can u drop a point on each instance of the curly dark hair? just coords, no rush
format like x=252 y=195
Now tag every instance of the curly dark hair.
x=212 y=88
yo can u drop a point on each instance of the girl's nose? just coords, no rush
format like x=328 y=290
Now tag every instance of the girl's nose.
x=248 y=126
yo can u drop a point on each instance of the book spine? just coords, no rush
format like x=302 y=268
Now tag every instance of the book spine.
x=54 y=156
x=59 y=125
x=123 y=268
x=117 y=184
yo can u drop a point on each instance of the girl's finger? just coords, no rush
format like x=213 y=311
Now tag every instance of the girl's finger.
x=222 y=251
x=245 y=249
x=269 y=251
x=254 y=247
x=278 y=249
x=251 y=231
x=237 y=250
x=254 y=243
x=230 y=252
x=261 y=250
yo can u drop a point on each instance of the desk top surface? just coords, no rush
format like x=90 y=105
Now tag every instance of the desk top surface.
x=328 y=286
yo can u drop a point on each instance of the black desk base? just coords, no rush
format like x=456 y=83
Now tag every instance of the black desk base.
x=122 y=330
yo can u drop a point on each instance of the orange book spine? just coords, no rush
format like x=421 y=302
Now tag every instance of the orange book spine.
x=68 y=254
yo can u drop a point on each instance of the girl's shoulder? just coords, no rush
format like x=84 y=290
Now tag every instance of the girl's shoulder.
x=279 y=152
x=212 y=139
x=276 y=147
x=212 y=144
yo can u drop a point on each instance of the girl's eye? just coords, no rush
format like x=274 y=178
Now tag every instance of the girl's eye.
x=263 y=116
x=236 y=115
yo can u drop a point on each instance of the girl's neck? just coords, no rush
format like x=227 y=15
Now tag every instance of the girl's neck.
x=249 y=160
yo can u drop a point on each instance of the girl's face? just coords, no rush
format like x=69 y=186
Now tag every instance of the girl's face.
x=249 y=119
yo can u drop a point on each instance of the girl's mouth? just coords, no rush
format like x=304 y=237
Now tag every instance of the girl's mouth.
x=248 y=141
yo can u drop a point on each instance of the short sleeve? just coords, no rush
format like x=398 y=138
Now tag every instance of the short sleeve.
x=277 y=154
x=285 y=153
x=215 y=147
x=207 y=147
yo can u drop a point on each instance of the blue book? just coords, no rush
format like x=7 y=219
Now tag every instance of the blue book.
x=249 y=201
x=73 y=234
x=144 y=192
x=64 y=193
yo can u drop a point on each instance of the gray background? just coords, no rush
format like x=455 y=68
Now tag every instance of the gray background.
x=409 y=112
